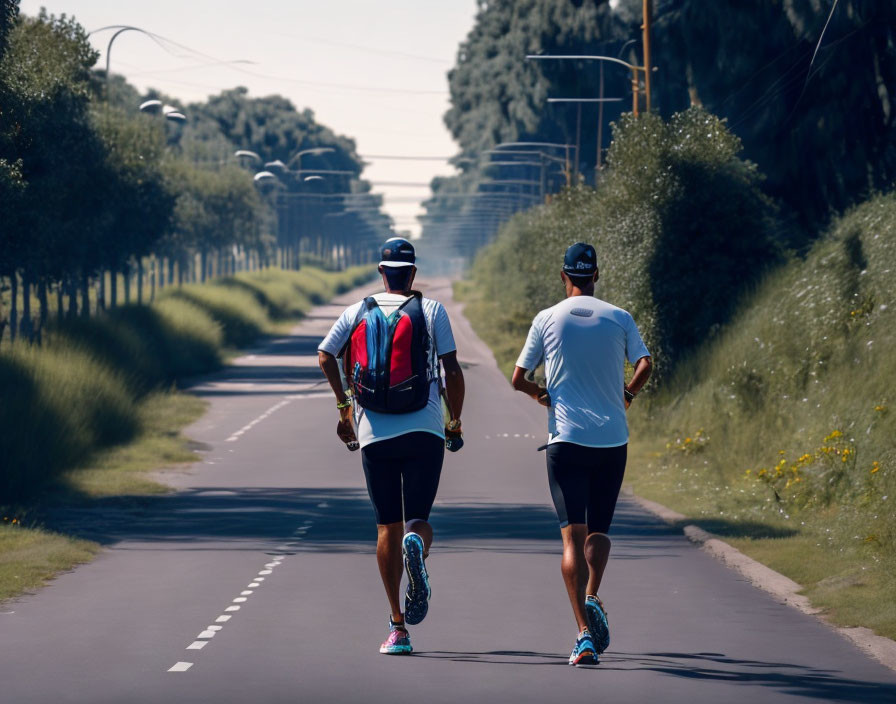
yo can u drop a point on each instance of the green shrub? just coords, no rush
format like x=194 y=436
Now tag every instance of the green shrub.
x=810 y=354
x=794 y=405
x=59 y=403
x=680 y=225
x=79 y=392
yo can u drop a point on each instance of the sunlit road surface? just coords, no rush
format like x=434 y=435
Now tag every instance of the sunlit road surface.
x=256 y=580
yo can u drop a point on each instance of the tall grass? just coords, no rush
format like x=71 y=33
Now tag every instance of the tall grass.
x=784 y=424
x=81 y=390
x=778 y=432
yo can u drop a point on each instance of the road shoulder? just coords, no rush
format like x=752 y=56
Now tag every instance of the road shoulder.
x=782 y=588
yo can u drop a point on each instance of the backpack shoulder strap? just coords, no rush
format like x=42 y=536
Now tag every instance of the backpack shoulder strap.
x=367 y=304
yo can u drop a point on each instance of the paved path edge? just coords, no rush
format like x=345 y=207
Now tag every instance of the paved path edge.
x=782 y=588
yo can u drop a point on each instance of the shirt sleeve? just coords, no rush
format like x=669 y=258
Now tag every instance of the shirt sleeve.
x=340 y=332
x=533 y=351
x=635 y=348
x=442 y=334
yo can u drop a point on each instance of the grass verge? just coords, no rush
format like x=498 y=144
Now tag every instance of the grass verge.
x=99 y=395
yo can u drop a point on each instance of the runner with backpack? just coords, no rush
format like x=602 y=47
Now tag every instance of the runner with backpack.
x=390 y=346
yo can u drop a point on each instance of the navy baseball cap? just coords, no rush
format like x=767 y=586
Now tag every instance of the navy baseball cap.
x=397 y=251
x=580 y=260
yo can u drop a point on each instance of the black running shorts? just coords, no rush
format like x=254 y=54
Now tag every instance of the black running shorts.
x=585 y=483
x=403 y=472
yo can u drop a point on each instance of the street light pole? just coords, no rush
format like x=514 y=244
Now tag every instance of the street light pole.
x=600 y=126
x=648 y=19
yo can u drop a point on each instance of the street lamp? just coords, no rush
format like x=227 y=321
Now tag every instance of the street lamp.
x=169 y=112
x=265 y=177
x=547 y=145
x=600 y=120
x=647 y=13
x=314 y=150
x=245 y=153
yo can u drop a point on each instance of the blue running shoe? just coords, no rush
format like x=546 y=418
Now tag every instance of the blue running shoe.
x=584 y=653
x=416 y=596
x=597 y=622
x=398 y=642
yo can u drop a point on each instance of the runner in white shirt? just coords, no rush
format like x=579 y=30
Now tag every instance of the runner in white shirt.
x=583 y=343
x=401 y=453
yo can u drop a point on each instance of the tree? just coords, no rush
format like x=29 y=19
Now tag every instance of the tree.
x=137 y=203
x=825 y=135
x=46 y=73
x=497 y=96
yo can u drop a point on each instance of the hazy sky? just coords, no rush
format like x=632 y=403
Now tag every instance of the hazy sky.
x=374 y=71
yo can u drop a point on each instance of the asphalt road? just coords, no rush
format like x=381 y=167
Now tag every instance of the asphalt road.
x=257 y=581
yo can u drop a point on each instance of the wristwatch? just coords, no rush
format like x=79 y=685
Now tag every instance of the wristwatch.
x=629 y=396
x=453 y=425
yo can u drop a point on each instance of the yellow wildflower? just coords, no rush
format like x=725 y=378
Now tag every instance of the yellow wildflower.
x=875 y=467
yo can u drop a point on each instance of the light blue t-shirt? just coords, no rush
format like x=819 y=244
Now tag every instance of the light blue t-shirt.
x=584 y=343
x=372 y=426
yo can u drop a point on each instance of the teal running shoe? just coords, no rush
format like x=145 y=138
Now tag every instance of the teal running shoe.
x=398 y=642
x=584 y=653
x=417 y=594
x=597 y=622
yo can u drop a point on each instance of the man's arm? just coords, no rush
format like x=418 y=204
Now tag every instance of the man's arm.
x=454 y=383
x=530 y=388
x=345 y=429
x=643 y=367
x=330 y=367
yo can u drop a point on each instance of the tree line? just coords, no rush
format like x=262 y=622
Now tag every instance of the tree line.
x=821 y=125
x=96 y=194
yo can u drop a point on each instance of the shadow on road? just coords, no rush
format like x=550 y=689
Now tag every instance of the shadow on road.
x=784 y=678
x=338 y=519
x=264 y=378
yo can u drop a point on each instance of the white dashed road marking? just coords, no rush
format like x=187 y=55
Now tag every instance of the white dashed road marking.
x=206 y=635
x=273 y=409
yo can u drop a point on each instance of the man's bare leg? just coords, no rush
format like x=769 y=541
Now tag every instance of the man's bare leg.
x=391 y=564
x=575 y=569
x=423 y=529
x=597 y=552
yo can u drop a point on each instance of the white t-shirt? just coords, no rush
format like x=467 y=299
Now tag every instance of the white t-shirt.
x=584 y=342
x=372 y=426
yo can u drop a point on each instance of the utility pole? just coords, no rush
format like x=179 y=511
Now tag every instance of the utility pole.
x=648 y=18
x=578 y=137
x=600 y=126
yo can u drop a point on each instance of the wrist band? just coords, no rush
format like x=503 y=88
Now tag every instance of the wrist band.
x=343 y=404
x=629 y=396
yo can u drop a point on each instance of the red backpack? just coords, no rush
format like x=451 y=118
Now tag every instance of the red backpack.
x=388 y=359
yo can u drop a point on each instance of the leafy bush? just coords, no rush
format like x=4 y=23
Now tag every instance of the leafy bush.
x=795 y=402
x=806 y=365
x=680 y=225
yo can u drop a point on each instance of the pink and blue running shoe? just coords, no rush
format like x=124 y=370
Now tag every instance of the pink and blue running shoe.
x=597 y=622
x=417 y=594
x=398 y=642
x=584 y=653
